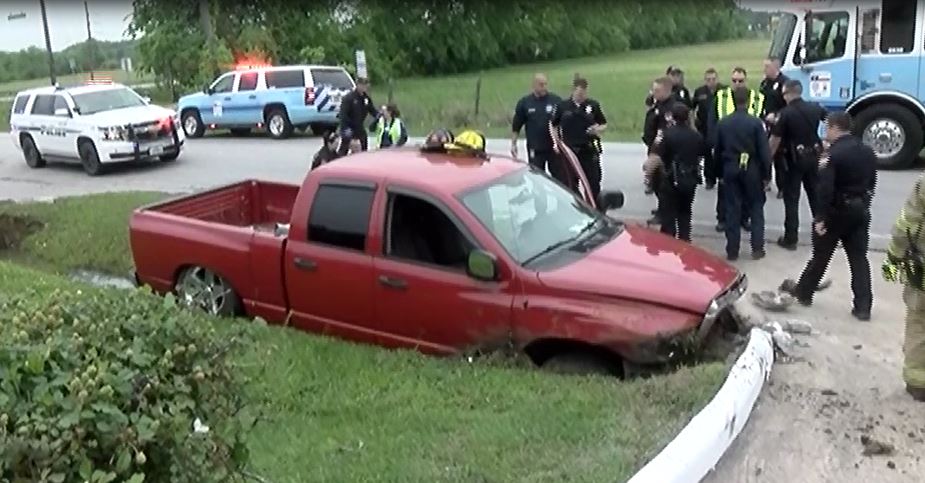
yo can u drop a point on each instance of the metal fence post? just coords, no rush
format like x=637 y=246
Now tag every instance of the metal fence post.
x=478 y=94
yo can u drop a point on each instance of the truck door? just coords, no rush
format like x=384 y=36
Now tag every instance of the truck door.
x=888 y=59
x=212 y=111
x=425 y=299
x=825 y=55
x=244 y=108
x=329 y=274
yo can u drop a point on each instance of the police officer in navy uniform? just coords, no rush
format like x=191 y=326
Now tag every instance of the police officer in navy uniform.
x=681 y=149
x=354 y=108
x=578 y=123
x=678 y=91
x=795 y=138
x=704 y=98
x=742 y=147
x=847 y=179
x=772 y=86
x=533 y=112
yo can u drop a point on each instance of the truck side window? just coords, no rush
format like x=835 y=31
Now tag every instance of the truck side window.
x=43 y=105
x=418 y=231
x=340 y=216
x=223 y=84
x=870 y=30
x=19 y=106
x=826 y=36
x=248 y=82
x=897 y=26
x=281 y=79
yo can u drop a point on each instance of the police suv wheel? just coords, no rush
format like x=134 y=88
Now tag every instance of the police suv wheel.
x=33 y=157
x=192 y=124
x=893 y=132
x=90 y=159
x=278 y=124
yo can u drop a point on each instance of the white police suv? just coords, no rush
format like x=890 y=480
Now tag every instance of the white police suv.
x=96 y=125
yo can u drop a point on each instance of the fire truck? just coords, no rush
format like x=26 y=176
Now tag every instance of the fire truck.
x=863 y=57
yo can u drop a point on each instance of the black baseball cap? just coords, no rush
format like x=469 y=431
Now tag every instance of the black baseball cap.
x=673 y=69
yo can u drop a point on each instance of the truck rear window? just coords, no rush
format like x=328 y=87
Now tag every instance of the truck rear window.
x=340 y=216
x=280 y=79
x=335 y=78
x=19 y=106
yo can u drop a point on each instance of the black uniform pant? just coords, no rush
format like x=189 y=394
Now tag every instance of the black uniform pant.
x=361 y=136
x=852 y=229
x=590 y=161
x=543 y=158
x=797 y=179
x=676 y=211
x=744 y=193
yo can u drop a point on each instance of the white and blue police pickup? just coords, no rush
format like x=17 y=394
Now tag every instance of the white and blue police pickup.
x=97 y=125
x=278 y=99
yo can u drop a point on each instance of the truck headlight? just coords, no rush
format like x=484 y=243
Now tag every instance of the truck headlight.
x=114 y=133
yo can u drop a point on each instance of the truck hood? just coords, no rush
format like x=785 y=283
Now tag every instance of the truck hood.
x=129 y=115
x=647 y=266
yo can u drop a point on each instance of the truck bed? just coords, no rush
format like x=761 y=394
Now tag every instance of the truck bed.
x=259 y=204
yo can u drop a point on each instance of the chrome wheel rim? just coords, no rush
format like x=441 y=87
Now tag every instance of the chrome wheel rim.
x=885 y=136
x=190 y=125
x=277 y=124
x=202 y=289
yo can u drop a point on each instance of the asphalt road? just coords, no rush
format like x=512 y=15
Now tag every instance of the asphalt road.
x=223 y=159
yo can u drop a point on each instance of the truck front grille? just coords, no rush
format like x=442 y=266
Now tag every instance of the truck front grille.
x=150 y=131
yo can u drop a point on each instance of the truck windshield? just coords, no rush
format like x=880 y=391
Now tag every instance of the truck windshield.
x=106 y=100
x=780 y=43
x=528 y=213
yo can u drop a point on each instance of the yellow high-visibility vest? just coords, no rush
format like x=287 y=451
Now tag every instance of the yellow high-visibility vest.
x=726 y=106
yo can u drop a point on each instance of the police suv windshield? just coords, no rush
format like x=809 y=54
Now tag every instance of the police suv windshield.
x=528 y=213
x=780 y=43
x=106 y=100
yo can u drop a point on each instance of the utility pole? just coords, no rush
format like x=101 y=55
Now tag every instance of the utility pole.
x=51 y=55
x=205 y=19
x=90 y=51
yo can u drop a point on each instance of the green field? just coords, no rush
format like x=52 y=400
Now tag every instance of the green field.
x=334 y=411
x=619 y=82
x=11 y=88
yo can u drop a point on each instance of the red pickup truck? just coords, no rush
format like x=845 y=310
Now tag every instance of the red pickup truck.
x=439 y=252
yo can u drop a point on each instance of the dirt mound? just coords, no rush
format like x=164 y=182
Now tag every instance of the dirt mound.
x=14 y=229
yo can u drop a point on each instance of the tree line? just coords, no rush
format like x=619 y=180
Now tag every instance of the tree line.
x=32 y=63
x=187 y=43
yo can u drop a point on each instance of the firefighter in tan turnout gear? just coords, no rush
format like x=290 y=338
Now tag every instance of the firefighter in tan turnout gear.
x=905 y=264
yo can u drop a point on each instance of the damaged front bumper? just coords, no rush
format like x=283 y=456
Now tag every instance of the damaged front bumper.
x=668 y=349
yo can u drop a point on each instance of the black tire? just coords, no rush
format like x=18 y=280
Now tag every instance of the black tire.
x=230 y=304
x=169 y=158
x=192 y=125
x=31 y=152
x=240 y=131
x=283 y=129
x=90 y=159
x=581 y=363
x=899 y=116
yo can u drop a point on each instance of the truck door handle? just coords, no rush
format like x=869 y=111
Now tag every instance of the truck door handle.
x=305 y=264
x=252 y=96
x=395 y=283
x=227 y=98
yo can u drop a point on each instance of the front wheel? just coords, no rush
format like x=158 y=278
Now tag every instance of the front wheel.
x=893 y=132
x=192 y=124
x=169 y=158
x=90 y=159
x=201 y=288
x=583 y=364
x=278 y=124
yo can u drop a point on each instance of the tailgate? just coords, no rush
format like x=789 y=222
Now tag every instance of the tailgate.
x=247 y=203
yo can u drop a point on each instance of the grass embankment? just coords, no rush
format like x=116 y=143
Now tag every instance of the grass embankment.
x=619 y=82
x=334 y=411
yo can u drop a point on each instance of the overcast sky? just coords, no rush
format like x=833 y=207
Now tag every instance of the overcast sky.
x=67 y=24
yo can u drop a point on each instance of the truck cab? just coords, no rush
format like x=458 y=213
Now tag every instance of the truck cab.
x=863 y=57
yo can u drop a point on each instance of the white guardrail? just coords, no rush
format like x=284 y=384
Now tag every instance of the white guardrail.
x=701 y=444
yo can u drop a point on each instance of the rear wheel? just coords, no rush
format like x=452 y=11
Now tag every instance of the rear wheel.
x=278 y=124
x=90 y=159
x=33 y=157
x=893 y=132
x=192 y=124
x=203 y=289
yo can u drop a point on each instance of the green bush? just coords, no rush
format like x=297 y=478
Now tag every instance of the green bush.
x=104 y=386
